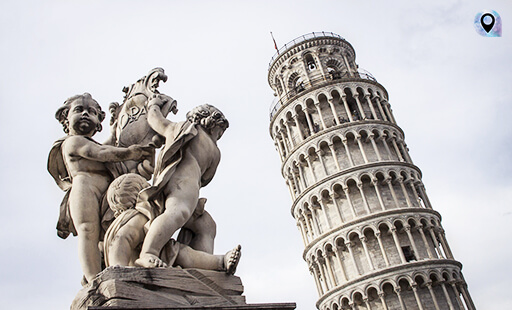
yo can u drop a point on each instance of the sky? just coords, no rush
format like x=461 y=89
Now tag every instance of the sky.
x=449 y=89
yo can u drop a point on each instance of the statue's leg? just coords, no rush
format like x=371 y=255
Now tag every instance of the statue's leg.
x=121 y=250
x=190 y=258
x=178 y=209
x=204 y=229
x=84 y=210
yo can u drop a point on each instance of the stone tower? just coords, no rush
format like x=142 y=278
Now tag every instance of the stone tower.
x=371 y=237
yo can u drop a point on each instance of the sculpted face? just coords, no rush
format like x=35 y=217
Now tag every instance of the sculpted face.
x=83 y=117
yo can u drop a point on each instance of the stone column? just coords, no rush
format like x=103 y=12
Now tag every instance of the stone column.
x=398 y=291
x=338 y=211
x=333 y=110
x=367 y=97
x=334 y=157
x=407 y=229
x=349 y=70
x=375 y=148
x=358 y=139
x=329 y=270
x=320 y=154
x=286 y=149
x=310 y=165
x=467 y=297
x=289 y=133
x=446 y=248
x=308 y=225
x=278 y=147
x=319 y=110
x=397 y=244
x=294 y=181
x=400 y=180
x=347 y=194
x=296 y=119
x=303 y=233
x=397 y=150
x=427 y=245
x=317 y=281
x=324 y=211
x=388 y=110
x=366 y=252
x=416 y=296
x=436 y=243
x=386 y=146
x=347 y=108
x=349 y=245
x=405 y=151
x=410 y=182
x=383 y=301
x=457 y=295
x=301 y=174
x=382 y=250
x=392 y=190
x=287 y=182
x=308 y=120
x=375 y=183
x=367 y=303
x=314 y=219
x=355 y=94
x=379 y=106
x=424 y=196
x=323 y=276
x=447 y=296
x=347 y=150
x=365 y=202
x=432 y=294
x=340 y=261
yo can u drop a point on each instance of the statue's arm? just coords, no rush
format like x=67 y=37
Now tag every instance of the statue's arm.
x=157 y=121
x=85 y=148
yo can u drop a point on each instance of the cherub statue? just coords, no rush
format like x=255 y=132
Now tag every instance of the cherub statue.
x=187 y=162
x=77 y=163
x=126 y=234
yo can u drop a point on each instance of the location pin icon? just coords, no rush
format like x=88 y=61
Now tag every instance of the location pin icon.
x=487 y=27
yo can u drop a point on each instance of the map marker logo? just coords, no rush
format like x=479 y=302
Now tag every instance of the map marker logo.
x=488 y=23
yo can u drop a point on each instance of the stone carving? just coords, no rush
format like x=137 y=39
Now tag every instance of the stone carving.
x=77 y=164
x=146 y=216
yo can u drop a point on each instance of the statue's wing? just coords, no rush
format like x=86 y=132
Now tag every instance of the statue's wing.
x=57 y=167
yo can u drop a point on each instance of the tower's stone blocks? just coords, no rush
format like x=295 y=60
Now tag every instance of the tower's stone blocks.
x=371 y=237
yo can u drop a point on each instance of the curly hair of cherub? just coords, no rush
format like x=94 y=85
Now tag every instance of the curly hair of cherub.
x=208 y=117
x=62 y=113
x=123 y=192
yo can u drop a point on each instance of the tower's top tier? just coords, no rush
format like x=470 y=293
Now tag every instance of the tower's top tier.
x=308 y=61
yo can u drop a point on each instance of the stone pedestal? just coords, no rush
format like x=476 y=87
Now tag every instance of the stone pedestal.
x=126 y=288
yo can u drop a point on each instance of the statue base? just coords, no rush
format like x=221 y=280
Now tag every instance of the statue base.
x=117 y=288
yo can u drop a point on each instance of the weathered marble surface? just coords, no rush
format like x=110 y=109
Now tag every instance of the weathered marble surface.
x=147 y=215
x=147 y=288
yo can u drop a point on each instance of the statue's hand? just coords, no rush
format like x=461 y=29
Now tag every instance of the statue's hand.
x=157 y=100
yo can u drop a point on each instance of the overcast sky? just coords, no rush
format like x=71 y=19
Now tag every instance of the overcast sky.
x=450 y=90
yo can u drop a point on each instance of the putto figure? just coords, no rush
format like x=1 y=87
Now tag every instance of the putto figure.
x=77 y=163
x=125 y=235
x=187 y=162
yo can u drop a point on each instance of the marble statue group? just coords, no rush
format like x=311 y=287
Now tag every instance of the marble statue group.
x=109 y=203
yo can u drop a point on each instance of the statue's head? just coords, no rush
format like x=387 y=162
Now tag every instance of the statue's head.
x=210 y=118
x=123 y=192
x=80 y=114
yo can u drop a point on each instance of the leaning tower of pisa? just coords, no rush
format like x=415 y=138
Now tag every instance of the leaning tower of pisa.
x=372 y=239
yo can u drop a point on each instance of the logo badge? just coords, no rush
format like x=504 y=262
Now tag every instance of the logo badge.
x=488 y=23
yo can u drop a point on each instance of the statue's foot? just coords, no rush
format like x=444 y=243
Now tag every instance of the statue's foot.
x=149 y=261
x=231 y=259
